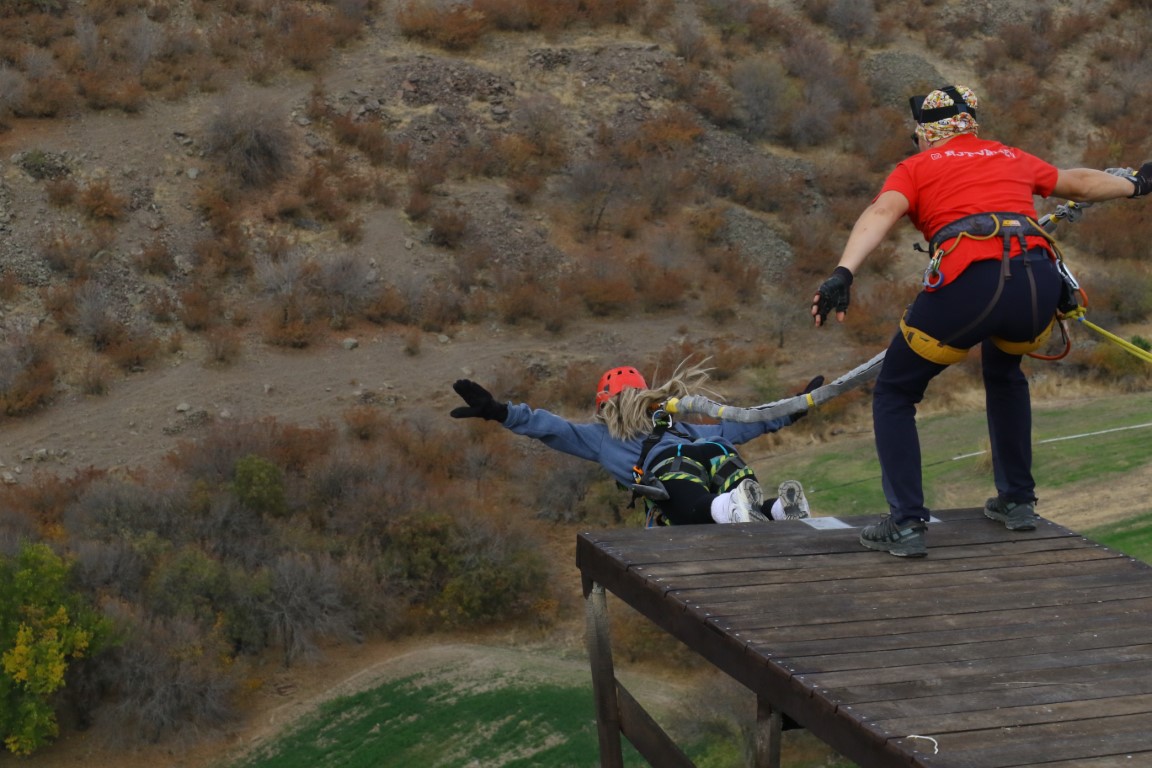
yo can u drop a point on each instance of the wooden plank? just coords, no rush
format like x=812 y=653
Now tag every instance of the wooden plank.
x=929 y=632
x=647 y=736
x=1006 y=648
x=1030 y=714
x=1026 y=746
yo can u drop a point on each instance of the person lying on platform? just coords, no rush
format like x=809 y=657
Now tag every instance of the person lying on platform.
x=687 y=473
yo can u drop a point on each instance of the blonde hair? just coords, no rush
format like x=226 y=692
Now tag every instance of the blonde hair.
x=628 y=414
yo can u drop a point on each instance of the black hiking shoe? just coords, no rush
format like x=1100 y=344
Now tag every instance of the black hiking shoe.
x=906 y=539
x=1016 y=515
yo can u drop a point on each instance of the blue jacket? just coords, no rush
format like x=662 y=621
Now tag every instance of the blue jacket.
x=591 y=440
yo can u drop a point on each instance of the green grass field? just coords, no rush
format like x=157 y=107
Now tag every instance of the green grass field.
x=430 y=723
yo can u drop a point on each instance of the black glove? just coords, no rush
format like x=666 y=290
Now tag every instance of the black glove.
x=814 y=384
x=1142 y=180
x=833 y=294
x=481 y=404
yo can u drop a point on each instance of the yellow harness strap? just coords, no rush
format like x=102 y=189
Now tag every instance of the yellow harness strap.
x=933 y=350
x=1025 y=347
x=929 y=347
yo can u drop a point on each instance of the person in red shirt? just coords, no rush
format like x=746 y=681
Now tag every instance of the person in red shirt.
x=992 y=280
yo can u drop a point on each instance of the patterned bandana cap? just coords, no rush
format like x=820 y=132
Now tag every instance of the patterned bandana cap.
x=949 y=126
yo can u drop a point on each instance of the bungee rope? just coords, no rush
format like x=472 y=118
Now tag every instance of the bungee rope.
x=701 y=405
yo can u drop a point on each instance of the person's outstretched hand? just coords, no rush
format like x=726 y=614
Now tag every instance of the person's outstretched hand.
x=833 y=295
x=481 y=404
x=815 y=383
x=1143 y=180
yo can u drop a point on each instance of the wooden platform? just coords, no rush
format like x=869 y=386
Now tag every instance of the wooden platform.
x=999 y=649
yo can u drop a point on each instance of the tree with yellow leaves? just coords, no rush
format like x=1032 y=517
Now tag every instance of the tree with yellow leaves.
x=43 y=626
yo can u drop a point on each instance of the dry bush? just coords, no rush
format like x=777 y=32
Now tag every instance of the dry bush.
x=758 y=185
x=605 y=284
x=365 y=422
x=156 y=258
x=50 y=96
x=61 y=192
x=199 y=308
x=542 y=121
x=456 y=27
x=67 y=253
x=308 y=40
x=289 y=321
x=133 y=348
x=691 y=44
x=669 y=134
x=27 y=375
x=368 y=136
x=95 y=377
x=224 y=254
x=94 y=317
x=419 y=205
x=510 y=15
x=252 y=141
x=448 y=228
x=97 y=200
x=104 y=89
x=523 y=188
x=430 y=172
x=224 y=344
x=10 y=286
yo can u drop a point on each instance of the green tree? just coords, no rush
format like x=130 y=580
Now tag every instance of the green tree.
x=259 y=485
x=43 y=626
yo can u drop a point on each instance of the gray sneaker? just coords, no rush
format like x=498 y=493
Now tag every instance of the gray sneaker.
x=1016 y=515
x=747 y=501
x=791 y=495
x=904 y=540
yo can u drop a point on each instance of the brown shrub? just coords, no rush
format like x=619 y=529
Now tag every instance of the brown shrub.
x=224 y=344
x=252 y=142
x=199 y=308
x=308 y=40
x=99 y=201
x=365 y=422
x=111 y=90
x=134 y=349
x=61 y=192
x=419 y=205
x=155 y=258
x=289 y=322
x=367 y=135
x=455 y=28
x=28 y=376
x=448 y=227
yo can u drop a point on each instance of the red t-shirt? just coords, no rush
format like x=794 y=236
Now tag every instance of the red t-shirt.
x=970 y=175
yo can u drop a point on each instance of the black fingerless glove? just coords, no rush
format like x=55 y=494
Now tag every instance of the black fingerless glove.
x=1143 y=180
x=481 y=404
x=814 y=384
x=833 y=294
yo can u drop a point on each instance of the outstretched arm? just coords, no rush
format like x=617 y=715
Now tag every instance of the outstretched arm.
x=1089 y=185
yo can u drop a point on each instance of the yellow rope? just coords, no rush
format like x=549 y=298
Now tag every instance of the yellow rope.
x=1127 y=346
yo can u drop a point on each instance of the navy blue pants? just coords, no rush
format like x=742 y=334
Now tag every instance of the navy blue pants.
x=1026 y=305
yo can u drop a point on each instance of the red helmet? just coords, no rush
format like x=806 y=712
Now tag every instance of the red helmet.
x=616 y=381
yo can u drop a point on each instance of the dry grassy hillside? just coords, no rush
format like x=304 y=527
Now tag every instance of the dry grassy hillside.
x=218 y=214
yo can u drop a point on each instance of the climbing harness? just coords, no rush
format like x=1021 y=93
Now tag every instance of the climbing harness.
x=722 y=473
